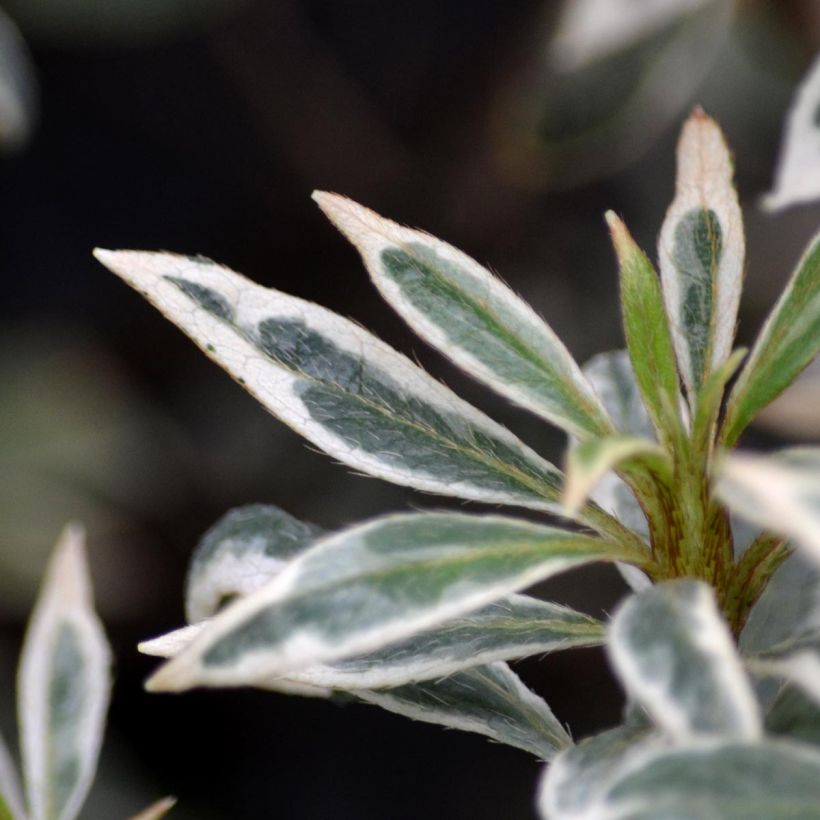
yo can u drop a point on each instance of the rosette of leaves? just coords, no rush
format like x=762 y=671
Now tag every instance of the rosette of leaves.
x=421 y=612
x=63 y=689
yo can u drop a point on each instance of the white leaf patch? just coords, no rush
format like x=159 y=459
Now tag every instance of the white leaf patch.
x=797 y=178
x=63 y=686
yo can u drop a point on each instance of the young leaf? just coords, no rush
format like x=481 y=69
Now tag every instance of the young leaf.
x=11 y=795
x=701 y=250
x=575 y=781
x=589 y=461
x=514 y=627
x=797 y=178
x=788 y=342
x=373 y=585
x=468 y=314
x=647 y=328
x=241 y=552
x=780 y=492
x=730 y=780
x=490 y=700
x=675 y=656
x=156 y=810
x=63 y=687
x=340 y=387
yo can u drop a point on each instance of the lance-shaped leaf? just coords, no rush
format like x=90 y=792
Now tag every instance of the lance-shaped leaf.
x=241 y=552
x=788 y=342
x=340 y=387
x=575 y=781
x=730 y=780
x=589 y=461
x=797 y=178
x=675 y=656
x=490 y=700
x=468 y=314
x=701 y=250
x=156 y=810
x=780 y=492
x=11 y=794
x=646 y=327
x=63 y=687
x=514 y=627
x=373 y=585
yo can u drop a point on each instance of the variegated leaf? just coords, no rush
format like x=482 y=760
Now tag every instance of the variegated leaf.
x=795 y=716
x=701 y=250
x=729 y=780
x=613 y=379
x=676 y=657
x=589 y=461
x=788 y=342
x=339 y=386
x=18 y=87
x=468 y=314
x=646 y=327
x=490 y=700
x=239 y=553
x=63 y=687
x=373 y=585
x=514 y=627
x=156 y=810
x=797 y=178
x=11 y=794
x=780 y=492
x=798 y=663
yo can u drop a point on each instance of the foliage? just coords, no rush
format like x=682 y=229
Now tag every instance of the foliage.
x=420 y=613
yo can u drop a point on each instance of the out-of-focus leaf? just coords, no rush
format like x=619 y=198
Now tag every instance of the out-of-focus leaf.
x=11 y=794
x=780 y=492
x=472 y=317
x=788 y=342
x=514 y=627
x=490 y=700
x=339 y=386
x=18 y=87
x=701 y=250
x=374 y=585
x=795 y=716
x=239 y=553
x=794 y=414
x=797 y=178
x=156 y=810
x=676 y=657
x=63 y=687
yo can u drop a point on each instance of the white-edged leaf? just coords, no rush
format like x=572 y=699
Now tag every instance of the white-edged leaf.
x=788 y=342
x=795 y=716
x=490 y=700
x=701 y=251
x=63 y=686
x=780 y=492
x=18 y=86
x=675 y=656
x=373 y=585
x=800 y=667
x=243 y=550
x=590 y=30
x=797 y=178
x=514 y=627
x=717 y=780
x=471 y=316
x=589 y=461
x=10 y=789
x=613 y=379
x=575 y=781
x=156 y=810
x=339 y=386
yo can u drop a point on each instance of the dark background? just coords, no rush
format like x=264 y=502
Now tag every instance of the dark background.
x=204 y=131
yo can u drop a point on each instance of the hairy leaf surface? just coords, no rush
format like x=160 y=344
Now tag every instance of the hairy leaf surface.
x=490 y=700
x=374 y=585
x=468 y=314
x=701 y=250
x=780 y=492
x=788 y=342
x=676 y=657
x=514 y=627
x=339 y=386
x=63 y=687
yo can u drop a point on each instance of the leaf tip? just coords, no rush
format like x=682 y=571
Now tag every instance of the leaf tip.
x=621 y=238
